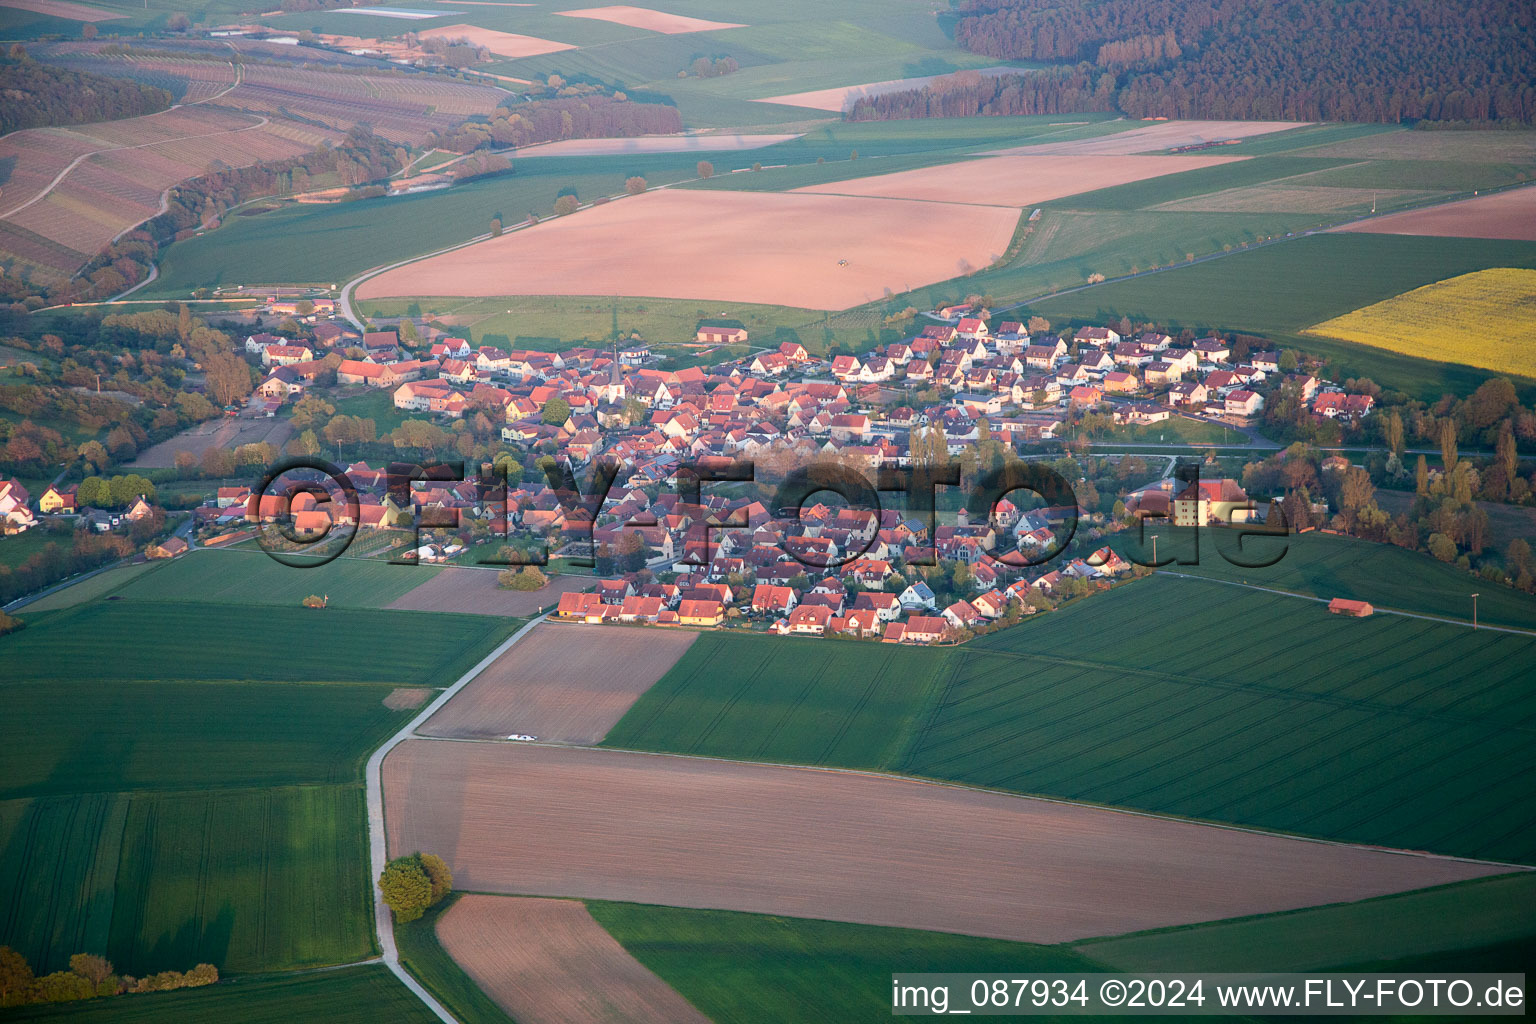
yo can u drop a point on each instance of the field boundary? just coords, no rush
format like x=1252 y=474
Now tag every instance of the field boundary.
x=378 y=850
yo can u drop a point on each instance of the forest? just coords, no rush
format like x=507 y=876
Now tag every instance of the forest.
x=967 y=94
x=1358 y=60
x=40 y=95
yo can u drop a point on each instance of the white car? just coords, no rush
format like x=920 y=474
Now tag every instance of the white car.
x=522 y=737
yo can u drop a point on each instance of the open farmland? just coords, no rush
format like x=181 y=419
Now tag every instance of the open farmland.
x=655 y=144
x=64 y=9
x=476 y=592
x=220 y=433
x=567 y=821
x=354 y=995
x=1157 y=137
x=1482 y=913
x=1486 y=319
x=840 y=98
x=503 y=44
x=1104 y=701
x=548 y=962
x=821 y=252
x=151 y=640
x=1508 y=214
x=1014 y=180
x=564 y=683
x=79 y=189
x=249 y=577
x=650 y=20
x=755 y=969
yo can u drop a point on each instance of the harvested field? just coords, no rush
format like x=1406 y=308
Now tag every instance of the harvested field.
x=1510 y=214
x=63 y=9
x=222 y=433
x=549 y=961
x=405 y=698
x=651 y=21
x=1502 y=147
x=1013 y=180
x=554 y=821
x=654 y=144
x=461 y=589
x=564 y=683
x=1163 y=135
x=842 y=97
x=503 y=44
x=779 y=249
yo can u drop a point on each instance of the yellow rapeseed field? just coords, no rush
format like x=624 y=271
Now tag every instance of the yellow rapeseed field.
x=1486 y=319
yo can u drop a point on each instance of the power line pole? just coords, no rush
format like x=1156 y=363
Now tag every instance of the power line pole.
x=1474 y=611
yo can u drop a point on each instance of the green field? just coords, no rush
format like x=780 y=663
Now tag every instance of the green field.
x=251 y=578
x=356 y=995
x=755 y=969
x=144 y=641
x=1166 y=695
x=249 y=880
x=440 y=974
x=765 y=698
x=83 y=735
x=1429 y=923
x=90 y=589
x=1328 y=566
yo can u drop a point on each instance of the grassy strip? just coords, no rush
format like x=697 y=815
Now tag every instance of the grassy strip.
x=423 y=955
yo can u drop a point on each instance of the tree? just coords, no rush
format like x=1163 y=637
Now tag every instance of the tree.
x=1392 y=432
x=556 y=411
x=1442 y=547
x=632 y=552
x=1288 y=361
x=567 y=205
x=406 y=888
x=495 y=227
x=229 y=377
x=1038 y=325
x=1421 y=477
x=94 y=969
x=635 y=185
x=88 y=31
x=1448 y=444
x=15 y=977
x=437 y=870
x=527 y=578
x=705 y=168
x=635 y=411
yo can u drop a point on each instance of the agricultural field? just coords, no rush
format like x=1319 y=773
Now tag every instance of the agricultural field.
x=355 y=995
x=753 y=969
x=250 y=577
x=1324 y=566
x=1106 y=701
x=151 y=640
x=1432 y=923
x=422 y=954
x=475 y=591
x=564 y=683
x=562 y=967
x=850 y=846
x=1486 y=319
x=823 y=252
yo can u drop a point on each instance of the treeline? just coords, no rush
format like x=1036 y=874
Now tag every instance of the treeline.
x=1359 y=60
x=552 y=120
x=968 y=94
x=89 y=977
x=80 y=551
x=39 y=95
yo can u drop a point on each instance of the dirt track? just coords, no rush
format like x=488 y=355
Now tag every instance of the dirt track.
x=549 y=961
x=564 y=683
x=779 y=248
x=1510 y=214
x=690 y=832
x=474 y=591
x=1014 y=180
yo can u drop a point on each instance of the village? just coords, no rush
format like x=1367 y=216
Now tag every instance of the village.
x=949 y=390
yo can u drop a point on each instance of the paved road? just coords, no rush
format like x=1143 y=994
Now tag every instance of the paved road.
x=378 y=849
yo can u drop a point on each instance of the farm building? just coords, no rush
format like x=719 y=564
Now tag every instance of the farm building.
x=1344 y=606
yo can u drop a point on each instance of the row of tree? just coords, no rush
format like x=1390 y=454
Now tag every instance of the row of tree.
x=1364 y=60
x=969 y=93
x=553 y=120
x=89 y=977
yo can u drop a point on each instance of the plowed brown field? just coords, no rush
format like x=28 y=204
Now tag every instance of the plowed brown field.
x=1014 y=180
x=1510 y=214
x=549 y=961
x=1163 y=135
x=474 y=591
x=564 y=682
x=555 y=821
x=651 y=21
x=778 y=248
x=503 y=44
